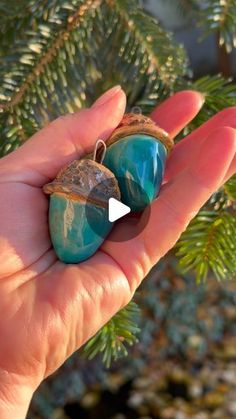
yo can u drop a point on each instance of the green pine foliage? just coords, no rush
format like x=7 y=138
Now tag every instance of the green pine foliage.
x=212 y=16
x=58 y=56
x=209 y=244
x=113 y=338
x=219 y=93
x=219 y=16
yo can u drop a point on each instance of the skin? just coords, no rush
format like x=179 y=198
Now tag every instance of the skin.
x=49 y=309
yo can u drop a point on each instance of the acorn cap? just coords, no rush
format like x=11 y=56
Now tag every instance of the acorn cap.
x=86 y=181
x=133 y=123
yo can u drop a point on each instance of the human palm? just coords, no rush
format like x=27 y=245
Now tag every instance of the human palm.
x=49 y=309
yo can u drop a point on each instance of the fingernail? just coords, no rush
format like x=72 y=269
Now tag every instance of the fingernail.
x=203 y=97
x=107 y=96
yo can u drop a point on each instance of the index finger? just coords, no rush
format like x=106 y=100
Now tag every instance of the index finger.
x=177 y=111
x=66 y=138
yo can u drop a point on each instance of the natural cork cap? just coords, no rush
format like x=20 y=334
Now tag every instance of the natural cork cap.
x=85 y=180
x=133 y=123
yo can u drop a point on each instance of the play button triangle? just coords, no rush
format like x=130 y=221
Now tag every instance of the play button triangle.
x=116 y=209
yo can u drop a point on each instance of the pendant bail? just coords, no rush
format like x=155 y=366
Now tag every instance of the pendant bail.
x=137 y=110
x=97 y=155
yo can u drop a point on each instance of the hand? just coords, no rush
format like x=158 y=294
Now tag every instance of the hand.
x=49 y=309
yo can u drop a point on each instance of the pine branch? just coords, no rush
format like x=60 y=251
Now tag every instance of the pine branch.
x=185 y=8
x=40 y=67
x=166 y=57
x=220 y=16
x=47 y=55
x=219 y=93
x=214 y=16
x=209 y=244
x=59 y=66
x=14 y=16
x=112 y=339
x=165 y=60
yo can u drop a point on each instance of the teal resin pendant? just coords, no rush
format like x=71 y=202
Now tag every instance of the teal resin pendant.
x=136 y=154
x=83 y=187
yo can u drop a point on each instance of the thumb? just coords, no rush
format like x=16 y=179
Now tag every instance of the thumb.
x=66 y=138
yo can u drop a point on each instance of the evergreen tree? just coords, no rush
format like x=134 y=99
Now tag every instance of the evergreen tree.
x=58 y=56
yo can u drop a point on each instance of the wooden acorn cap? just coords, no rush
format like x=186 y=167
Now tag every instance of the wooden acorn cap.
x=133 y=123
x=86 y=181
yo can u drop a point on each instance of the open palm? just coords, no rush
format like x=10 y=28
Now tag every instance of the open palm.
x=49 y=309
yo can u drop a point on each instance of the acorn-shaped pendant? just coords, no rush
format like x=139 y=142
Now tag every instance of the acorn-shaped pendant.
x=80 y=194
x=136 y=154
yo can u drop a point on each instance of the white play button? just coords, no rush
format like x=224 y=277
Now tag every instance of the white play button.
x=116 y=209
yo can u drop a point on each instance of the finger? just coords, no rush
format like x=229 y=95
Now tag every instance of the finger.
x=177 y=111
x=68 y=137
x=183 y=152
x=178 y=202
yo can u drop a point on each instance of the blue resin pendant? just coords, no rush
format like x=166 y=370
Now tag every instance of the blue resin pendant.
x=136 y=154
x=138 y=162
x=83 y=187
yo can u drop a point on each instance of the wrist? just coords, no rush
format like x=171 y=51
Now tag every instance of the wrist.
x=15 y=396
